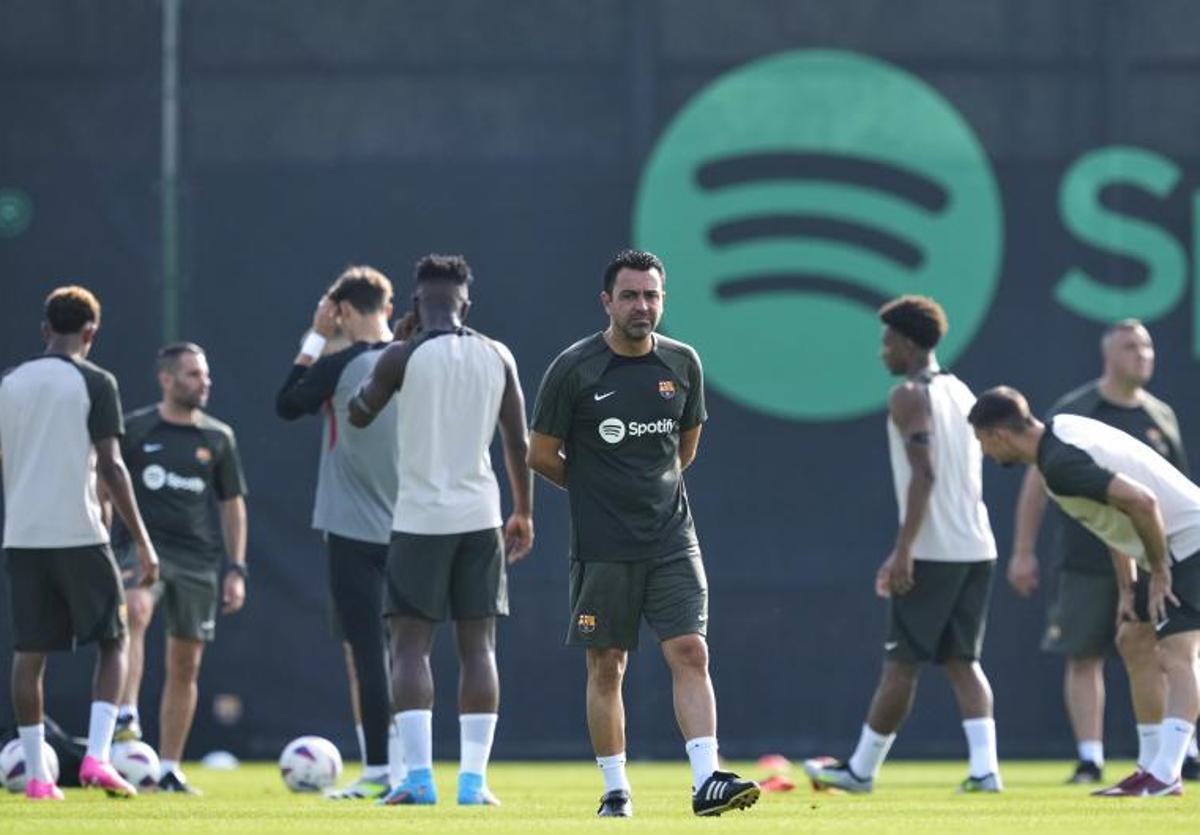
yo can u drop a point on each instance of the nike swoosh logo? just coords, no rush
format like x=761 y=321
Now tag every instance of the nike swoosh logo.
x=151 y=447
x=599 y=396
x=890 y=645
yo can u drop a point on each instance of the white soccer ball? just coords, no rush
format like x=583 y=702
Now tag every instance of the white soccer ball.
x=137 y=763
x=310 y=764
x=12 y=765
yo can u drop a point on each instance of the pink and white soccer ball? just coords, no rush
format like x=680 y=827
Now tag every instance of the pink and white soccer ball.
x=310 y=764
x=137 y=763
x=12 y=765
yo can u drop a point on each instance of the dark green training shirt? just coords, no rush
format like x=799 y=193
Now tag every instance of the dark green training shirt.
x=1153 y=423
x=620 y=420
x=178 y=473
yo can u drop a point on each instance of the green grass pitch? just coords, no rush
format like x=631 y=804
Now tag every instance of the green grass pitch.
x=562 y=797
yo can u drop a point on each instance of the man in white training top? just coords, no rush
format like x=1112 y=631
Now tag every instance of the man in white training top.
x=453 y=387
x=938 y=576
x=1148 y=514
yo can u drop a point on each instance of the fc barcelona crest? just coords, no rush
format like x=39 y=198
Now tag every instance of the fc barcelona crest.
x=666 y=388
x=587 y=624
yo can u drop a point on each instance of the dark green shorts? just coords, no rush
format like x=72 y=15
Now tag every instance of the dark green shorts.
x=1082 y=621
x=944 y=615
x=609 y=600
x=435 y=576
x=1185 y=584
x=63 y=597
x=189 y=598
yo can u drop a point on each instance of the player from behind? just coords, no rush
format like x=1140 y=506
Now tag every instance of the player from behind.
x=1081 y=623
x=357 y=481
x=451 y=387
x=60 y=425
x=938 y=576
x=617 y=421
x=1148 y=514
x=183 y=461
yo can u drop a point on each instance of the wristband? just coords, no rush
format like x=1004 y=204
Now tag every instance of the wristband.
x=238 y=568
x=313 y=344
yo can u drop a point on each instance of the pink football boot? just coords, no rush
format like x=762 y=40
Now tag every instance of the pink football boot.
x=42 y=790
x=101 y=774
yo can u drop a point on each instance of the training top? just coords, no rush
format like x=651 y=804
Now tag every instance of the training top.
x=1153 y=423
x=956 y=526
x=1078 y=458
x=620 y=419
x=448 y=406
x=358 y=474
x=179 y=472
x=52 y=411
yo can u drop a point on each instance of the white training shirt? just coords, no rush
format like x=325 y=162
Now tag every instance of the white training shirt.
x=956 y=526
x=1079 y=456
x=448 y=404
x=52 y=411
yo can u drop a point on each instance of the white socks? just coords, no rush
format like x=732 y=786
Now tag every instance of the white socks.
x=981 y=743
x=128 y=712
x=1148 y=736
x=396 y=770
x=613 y=770
x=416 y=735
x=410 y=746
x=165 y=767
x=362 y=745
x=100 y=730
x=871 y=751
x=702 y=754
x=1172 y=748
x=476 y=732
x=1092 y=751
x=32 y=737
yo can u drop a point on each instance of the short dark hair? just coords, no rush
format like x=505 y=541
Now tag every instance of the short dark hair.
x=168 y=355
x=435 y=267
x=919 y=318
x=1002 y=407
x=1124 y=325
x=68 y=309
x=632 y=259
x=365 y=288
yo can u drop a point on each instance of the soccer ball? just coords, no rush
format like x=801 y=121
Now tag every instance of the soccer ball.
x=310 y=764
x=137 y=763
x=12 y=765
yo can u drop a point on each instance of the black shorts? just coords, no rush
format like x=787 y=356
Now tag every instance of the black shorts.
x=357 y=577
x=1082 y=622
x=944 y=616
x=609 y=599
x=434 y=576
x=189 y=596
x=1185 y=585
x=64 y=597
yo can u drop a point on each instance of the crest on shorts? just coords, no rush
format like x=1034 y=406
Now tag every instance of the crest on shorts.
x=666 y=388
x=586 y=624
x=203 y=454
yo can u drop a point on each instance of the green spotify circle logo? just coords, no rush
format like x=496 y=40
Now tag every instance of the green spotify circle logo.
x=16 y=211
x=792 y=197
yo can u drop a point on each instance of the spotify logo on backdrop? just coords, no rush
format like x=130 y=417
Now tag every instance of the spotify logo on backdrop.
x=793 y=196
x=16 y=211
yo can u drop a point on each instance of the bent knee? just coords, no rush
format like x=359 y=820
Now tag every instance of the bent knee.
x=689 y=652
x=139 y=609
x=606 y=665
